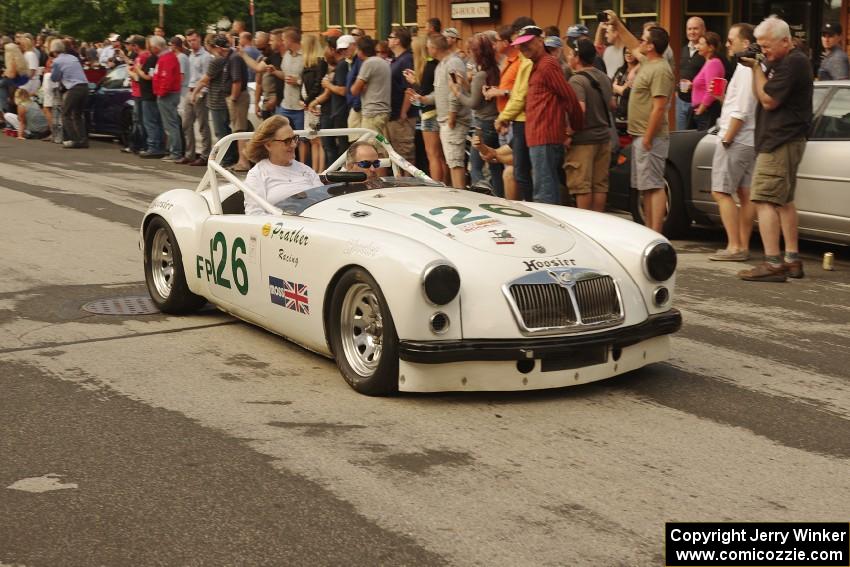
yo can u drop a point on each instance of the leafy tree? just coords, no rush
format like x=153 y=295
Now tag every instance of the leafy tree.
x=95 y=19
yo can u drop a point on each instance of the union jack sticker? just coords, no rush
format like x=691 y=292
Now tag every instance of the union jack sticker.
x=291 y=295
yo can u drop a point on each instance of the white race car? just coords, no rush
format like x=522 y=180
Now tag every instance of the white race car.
x=414 y=286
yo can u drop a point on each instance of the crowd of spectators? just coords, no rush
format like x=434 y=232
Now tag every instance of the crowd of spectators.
x=545 y=111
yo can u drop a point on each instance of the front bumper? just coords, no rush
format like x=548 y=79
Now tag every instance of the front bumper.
x=466 y=350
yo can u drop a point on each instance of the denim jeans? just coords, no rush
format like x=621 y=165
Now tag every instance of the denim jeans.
x=522 y=161
x=683 y=114
x=171 y=123
x=153 y=126
x=221 y=128
x=490 y=138
x=546 y=160
x=5 y=85
x=137 y=140
x=296 y=117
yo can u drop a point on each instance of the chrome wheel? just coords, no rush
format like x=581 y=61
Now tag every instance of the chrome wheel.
x=162 y=262
x=362 y=329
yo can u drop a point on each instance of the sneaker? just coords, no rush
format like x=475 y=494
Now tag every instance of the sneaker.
x=74 y=145
x=171 y=159
x=764 y=272
x=794 y=269
x=126 y=150
x=151 y=155
x=727 y=256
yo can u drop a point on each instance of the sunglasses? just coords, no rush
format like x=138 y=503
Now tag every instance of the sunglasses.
x=289 y=141
x=368 y=163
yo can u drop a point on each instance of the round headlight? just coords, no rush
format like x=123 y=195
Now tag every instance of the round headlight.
x=659 y=261
x=441 y=284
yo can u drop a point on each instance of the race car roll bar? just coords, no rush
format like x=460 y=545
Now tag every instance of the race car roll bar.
x=214 y=167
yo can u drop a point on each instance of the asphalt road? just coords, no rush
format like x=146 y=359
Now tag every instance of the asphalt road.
x=156 y=440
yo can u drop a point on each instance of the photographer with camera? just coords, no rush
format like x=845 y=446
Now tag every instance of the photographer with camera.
x=783 y=89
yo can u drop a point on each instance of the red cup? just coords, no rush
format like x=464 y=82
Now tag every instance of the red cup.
x=718 y=87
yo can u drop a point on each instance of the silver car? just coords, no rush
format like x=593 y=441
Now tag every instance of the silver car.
x=823 y=179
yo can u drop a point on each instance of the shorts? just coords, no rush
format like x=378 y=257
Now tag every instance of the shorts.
x=454 y=143
x=648 y=166
x=378 y=123
x=401 y=134
x=354 y=119
x=430 y=125
x=732 y=167
x=296 y=117
x=587 y=166
x=311 y=121
x=775 y=175
x=238 y=112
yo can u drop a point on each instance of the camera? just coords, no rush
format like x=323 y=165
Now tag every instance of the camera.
x=753 y=51
x=601 y=17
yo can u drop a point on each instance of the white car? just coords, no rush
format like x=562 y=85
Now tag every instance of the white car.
x=414 y=286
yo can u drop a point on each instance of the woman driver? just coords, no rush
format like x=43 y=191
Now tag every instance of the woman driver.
x=276 y=174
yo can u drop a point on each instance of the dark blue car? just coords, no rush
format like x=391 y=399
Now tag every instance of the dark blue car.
x=110 y=109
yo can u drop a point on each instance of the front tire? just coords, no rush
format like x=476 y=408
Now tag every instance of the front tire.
x=676 y=220
x=164 y=275
x=363 y=336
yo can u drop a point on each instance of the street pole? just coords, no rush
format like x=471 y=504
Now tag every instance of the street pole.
x=253 y=19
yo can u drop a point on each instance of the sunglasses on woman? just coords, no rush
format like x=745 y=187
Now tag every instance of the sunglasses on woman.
x=290 y=141
x=365 y=164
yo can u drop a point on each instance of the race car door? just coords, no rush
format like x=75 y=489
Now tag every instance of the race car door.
x=229 y=261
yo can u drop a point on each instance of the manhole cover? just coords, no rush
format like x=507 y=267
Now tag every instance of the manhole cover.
x=133 y=305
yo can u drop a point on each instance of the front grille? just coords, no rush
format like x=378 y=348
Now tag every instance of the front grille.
x=544 y=305
x=588 y=299
x=597 y=300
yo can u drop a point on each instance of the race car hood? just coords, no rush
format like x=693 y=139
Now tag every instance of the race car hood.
x=509 y=230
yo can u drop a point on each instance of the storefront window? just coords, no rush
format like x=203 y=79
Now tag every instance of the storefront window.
x=340 y=13
x=403 y=12
x=633 y=12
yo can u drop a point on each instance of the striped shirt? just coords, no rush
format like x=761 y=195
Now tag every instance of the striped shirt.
x=549 y=102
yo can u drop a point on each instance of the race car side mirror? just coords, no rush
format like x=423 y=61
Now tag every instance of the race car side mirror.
x=345 y=177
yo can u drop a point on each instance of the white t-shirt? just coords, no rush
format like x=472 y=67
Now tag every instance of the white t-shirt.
x=32 y=61
x=277 y=182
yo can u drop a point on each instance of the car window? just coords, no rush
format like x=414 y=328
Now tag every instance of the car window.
x=296 y=204
x=116 y=78
x=818 y=96
x=834 y=124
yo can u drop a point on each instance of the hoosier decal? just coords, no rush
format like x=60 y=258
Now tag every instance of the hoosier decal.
x=288 y=294
x=533 y=265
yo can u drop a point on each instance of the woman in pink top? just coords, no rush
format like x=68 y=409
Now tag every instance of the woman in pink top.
x=706 y=106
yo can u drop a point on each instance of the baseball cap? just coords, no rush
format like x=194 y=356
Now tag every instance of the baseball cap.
x=577 y=31
x=526 y=34
x=552 y=41
x=332 y=32
x=345 y=41
x=114 y=37
x=451 y=32
x=831 y=29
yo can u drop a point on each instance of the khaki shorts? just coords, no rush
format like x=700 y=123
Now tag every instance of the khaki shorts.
x=732 y=167
x=401 y=133
x=378 y=123
x=648 y=166
x=587 y=168
x=238 y=113
x=775 y=176
x=454 y=143
x=354 y=119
